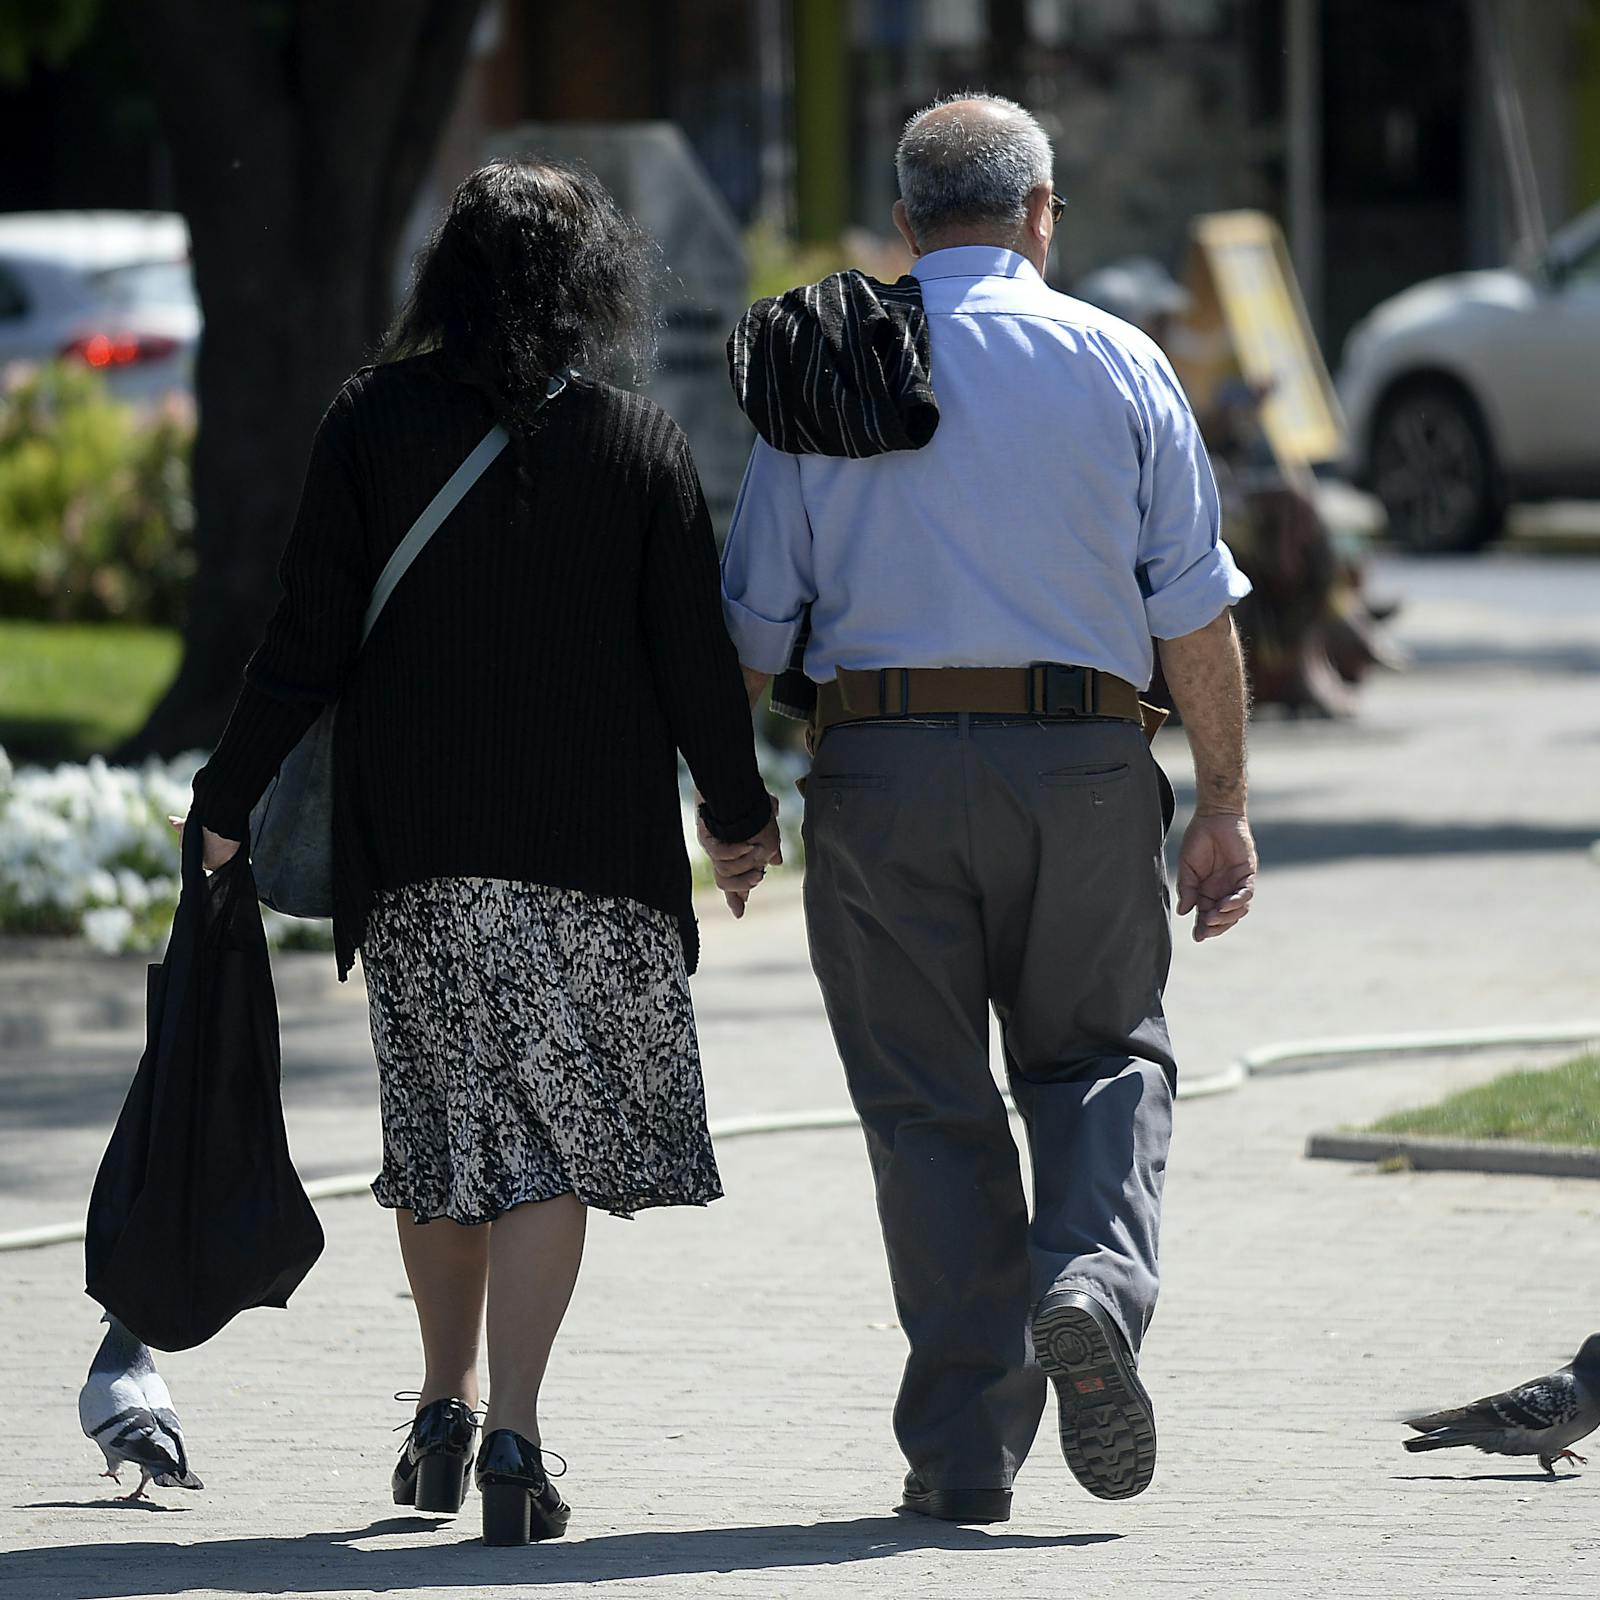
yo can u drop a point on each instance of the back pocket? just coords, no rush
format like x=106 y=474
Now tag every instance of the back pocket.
x=1084 y=777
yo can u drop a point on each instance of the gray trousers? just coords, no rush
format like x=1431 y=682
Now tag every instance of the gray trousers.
x=961 y=864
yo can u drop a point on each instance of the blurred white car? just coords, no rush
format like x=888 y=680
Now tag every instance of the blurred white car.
x=1467 y=393
x=112 y=289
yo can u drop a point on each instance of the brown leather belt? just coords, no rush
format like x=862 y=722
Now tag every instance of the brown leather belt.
x=1045 y=689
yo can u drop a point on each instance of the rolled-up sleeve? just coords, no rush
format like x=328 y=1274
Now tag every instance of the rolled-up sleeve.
x=767 y=579
x=1186 y=572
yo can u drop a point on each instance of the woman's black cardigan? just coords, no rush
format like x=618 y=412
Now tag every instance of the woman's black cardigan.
x=518 y=709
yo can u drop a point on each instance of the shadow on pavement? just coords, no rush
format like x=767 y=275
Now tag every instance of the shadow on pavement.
x=1557 y=657
x=86 y=1085
x=1317 y=841
x=114 y=1502
x=1302 y=841
x=1484 y=1477
x=327 y=1563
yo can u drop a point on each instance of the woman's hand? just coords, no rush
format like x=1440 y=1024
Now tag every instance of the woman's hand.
x=738 y=868
x=216 y=851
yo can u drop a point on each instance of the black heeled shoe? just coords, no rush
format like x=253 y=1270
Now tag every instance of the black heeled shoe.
x=520 y=1504
x=432 y=1471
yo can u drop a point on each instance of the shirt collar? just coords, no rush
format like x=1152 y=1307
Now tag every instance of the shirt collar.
x=973 y=261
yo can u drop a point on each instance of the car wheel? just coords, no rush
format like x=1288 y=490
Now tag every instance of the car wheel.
x=1434 y=470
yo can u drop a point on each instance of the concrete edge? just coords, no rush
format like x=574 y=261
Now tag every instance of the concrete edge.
x=1549 y=542
x=108 y=995
x=1428 y=1153
x=1315 y=1055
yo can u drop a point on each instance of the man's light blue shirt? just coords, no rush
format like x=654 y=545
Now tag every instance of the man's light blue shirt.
x=1063 y=511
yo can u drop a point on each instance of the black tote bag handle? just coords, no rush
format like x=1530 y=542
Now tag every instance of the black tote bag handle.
x=203 y=901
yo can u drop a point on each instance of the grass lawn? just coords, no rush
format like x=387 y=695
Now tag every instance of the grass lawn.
x=70 y=690
x=1560 y=1105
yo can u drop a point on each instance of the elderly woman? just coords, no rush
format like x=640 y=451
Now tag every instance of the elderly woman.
x=508 y=851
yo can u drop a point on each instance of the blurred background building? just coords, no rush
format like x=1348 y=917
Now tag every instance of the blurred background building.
x=1368 y=127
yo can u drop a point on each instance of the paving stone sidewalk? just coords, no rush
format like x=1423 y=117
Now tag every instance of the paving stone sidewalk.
x=724 y=1383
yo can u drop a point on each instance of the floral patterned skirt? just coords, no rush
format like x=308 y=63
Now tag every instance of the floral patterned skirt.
x=532 y=1042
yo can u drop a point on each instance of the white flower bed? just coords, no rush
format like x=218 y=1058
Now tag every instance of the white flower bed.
x=88 y=850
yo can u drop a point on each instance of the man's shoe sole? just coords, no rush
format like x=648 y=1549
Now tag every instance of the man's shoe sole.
x=1108 y=1426
x=959 y=1505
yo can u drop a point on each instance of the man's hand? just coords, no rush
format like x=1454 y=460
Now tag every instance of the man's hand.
x=1216 y=873
x=1217 y=863
x=738 y=868
x=216 y=851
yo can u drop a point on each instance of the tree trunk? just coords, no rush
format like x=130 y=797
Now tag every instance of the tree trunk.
x=1007 y=47
x=297 y=150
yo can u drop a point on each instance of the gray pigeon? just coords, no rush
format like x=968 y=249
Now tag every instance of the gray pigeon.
x=126 y=1409
x=1543 y=1418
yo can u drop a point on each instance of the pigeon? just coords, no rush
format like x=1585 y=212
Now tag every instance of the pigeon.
x=126 y=1409
x=1543 y=1418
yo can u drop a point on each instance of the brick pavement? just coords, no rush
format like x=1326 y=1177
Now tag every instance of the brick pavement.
x=723 y=1386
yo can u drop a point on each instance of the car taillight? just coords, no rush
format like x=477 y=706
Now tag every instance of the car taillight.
x=120 y=349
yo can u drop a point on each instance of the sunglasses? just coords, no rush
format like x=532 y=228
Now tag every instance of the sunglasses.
x=1057 y=206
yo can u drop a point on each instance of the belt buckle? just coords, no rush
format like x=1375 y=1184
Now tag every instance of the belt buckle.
x=1061 y=691
x=902 y=678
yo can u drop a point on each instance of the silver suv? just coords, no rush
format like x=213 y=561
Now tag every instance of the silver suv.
x=112 y=289
x=1467 y=393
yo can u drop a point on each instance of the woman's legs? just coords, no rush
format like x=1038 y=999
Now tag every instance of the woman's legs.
x=534 y=1253
x=448 y=1268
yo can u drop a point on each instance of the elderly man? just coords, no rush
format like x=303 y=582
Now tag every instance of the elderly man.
x=984 y=822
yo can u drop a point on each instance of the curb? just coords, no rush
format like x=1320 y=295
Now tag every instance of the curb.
x=1310 y=1055
x=1427 y=1153
x=1535 y=534
x=41 y=1003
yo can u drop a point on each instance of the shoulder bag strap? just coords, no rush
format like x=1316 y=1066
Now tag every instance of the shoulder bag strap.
x=435 y=512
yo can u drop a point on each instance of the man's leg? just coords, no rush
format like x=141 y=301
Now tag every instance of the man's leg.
x=897 y=944
x=1076 y=912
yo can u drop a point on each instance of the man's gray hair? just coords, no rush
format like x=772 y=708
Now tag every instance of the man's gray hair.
x=961 y=168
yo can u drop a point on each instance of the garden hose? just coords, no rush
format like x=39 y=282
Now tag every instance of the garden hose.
x=1302 y=1055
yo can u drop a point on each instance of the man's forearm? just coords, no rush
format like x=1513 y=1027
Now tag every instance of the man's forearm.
x=1205 y=672
x=755 y=684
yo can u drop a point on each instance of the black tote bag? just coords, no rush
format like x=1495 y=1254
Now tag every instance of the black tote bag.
x=197 y=1212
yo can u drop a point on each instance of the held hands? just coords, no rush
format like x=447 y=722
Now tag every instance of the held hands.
x=1216 y=872
x=740 y=867
x=216 y=851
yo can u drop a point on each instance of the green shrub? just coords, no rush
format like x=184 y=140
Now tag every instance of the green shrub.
x=778 y=262
x=96 y=519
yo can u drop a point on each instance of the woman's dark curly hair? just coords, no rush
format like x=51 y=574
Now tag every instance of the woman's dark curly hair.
x=533 y=270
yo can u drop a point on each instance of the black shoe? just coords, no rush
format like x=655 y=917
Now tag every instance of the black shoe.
x=1108 y=1426
x=520 y=1503
x=432 y=1471
x=954 y=1505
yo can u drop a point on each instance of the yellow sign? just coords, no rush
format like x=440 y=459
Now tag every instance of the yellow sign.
x=1246 y=319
